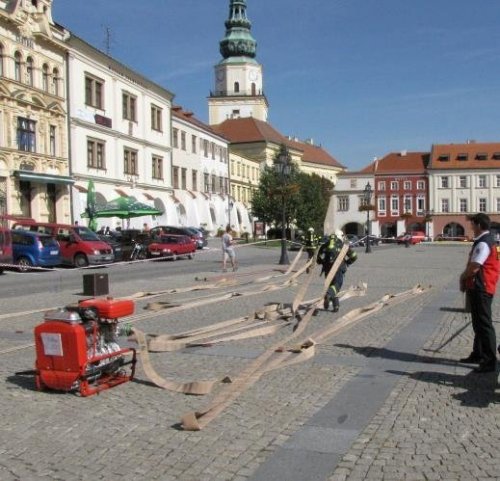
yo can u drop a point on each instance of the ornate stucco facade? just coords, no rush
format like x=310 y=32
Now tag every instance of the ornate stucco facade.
x=34 y=167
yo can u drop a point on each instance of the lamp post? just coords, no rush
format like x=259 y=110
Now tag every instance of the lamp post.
x=368 y=198
x=428 y=217
x=283 y=167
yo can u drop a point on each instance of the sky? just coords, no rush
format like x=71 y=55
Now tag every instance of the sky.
x=362 y=78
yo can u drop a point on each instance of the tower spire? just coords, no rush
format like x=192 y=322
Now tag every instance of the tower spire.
x=238 y=41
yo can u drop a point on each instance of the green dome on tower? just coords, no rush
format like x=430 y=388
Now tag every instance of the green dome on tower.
x=238 y=41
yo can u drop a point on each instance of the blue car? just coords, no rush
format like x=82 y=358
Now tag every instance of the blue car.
x=33 y=249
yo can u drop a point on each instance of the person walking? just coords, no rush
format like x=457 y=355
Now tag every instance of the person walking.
x=228 y=250
x=478 y=281
x=310 y=243
x=327 y=254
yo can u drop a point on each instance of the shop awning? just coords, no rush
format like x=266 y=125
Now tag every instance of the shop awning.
x=43 y=178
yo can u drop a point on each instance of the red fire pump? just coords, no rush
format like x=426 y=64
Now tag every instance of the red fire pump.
x=77 y=348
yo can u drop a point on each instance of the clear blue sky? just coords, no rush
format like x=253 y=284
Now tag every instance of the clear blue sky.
x=361 y=77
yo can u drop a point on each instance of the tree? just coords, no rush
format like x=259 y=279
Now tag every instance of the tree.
x=306 y=197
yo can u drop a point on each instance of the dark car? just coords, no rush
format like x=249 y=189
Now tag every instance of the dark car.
x=201 y=238
x=172 y=247
x=174 y=230
x=115 y=245
x=374 y=240
x=33 y=249
x=128 y=240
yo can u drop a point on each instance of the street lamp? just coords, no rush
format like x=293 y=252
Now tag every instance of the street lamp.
x=428 y=217
x=368 y=198
x=283 y=168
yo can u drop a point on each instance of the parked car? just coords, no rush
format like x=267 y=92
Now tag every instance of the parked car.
x=374 y=240
x=128 y=240
x=172 y=247
x=5 y=248
x=115 y=245
x=174 y=230
x=32 y=249
x=457 y=238
x=201 y=238
x=353 y=240
x=413 y=237
x=79 y=245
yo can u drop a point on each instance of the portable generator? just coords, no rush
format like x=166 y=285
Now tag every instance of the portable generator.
x=77 y=348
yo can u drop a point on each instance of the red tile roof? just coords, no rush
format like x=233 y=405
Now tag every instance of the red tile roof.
x=248 y=130
x=398 y=163
x=189 y=117
x=465 y=156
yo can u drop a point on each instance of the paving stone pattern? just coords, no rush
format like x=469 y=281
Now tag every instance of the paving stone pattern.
x=375 y=403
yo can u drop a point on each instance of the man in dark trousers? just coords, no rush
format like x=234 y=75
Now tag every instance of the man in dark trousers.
x=327 y=254
x=479 y=281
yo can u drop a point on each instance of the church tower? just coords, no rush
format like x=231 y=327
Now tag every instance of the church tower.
x=238 y=77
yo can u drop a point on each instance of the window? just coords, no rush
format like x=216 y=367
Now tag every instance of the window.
x=498 y=204
x=497 y=177
x=343 y=203
x=194 y=180
x=382 y=206
x=445 y=205
x=129 y=106
x=26 y=134
x=420 y=184
x=462 y=156
x=157 y=167
x=193 y=144
x=482 y=204
x=183 y=178
x=175 y=138
x=407 y=204
x=407 y=185
x=212 y=150
x=445 y=182
x=176 y=177
x=394 y=185
x=444 y=157
x=29 y=71
x=221 y=185
x=17 y=66
x=481 y=156
x=238 y=169
x=481 y=181
x=463 y=205
x=52 y=140
x=381 y=185
x=214 y=183
x=156 y=118
x=94 y=92
x=45 y=77
x=420 y=204
x=130 y=161
x=205 y=147
x=354 y=183
x=183 y=140
x=96 y=157
x=394 y=205
x=55 y=81
x=496 y=155
x=236 y=87
x=1 y=60
x=206 y=182
x=462 y=181
x=232 y=167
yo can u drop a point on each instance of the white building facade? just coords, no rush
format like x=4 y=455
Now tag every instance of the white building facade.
x=120 y=136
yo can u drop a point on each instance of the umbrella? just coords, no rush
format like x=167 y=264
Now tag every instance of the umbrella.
x=125 y=208
x=91 y=205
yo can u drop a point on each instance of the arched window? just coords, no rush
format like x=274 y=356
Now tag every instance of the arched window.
x=17 y=66
x=45 y=77
x=29 y=71
x=55 y=81
x=236 y=87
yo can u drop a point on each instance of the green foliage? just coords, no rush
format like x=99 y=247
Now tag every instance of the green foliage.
x=306 y=199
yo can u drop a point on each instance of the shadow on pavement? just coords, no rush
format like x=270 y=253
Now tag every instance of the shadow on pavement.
x=382 y=352
x=478 y=389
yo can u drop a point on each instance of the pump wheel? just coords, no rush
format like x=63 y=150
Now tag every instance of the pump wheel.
x=24 y=264
x=81 y=260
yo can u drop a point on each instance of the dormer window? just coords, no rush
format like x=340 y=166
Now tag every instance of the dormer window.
x=482 y=156
x=462 y=157
x=444 y=158
x=496 y=155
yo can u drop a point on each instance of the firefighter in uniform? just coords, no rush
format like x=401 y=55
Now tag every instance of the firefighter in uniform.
x=310 y=243
x=328 y=253
x=479 y=281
